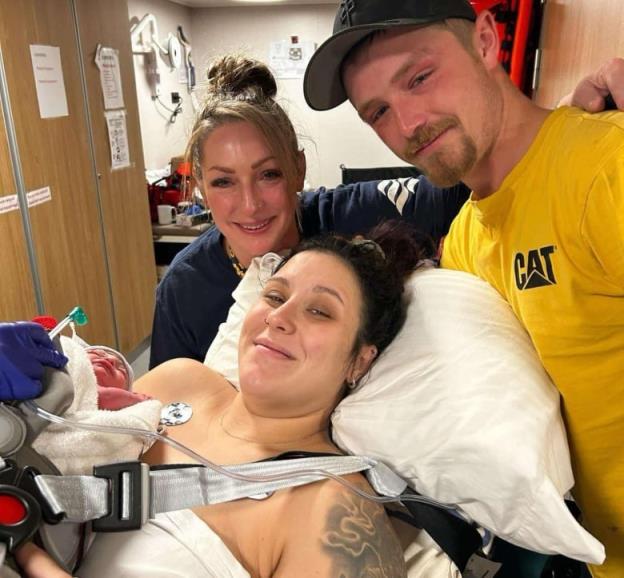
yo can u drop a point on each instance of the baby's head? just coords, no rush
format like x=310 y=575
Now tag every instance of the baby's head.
x=110 y=367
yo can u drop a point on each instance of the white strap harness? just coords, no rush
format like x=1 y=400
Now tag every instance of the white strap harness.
x=126 y=495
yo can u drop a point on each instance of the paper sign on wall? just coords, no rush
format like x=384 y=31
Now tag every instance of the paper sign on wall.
x=8 y=203
x=38 y=196
x=107 y=60
x=118 y=138
x=289 y=58
x=46 y=63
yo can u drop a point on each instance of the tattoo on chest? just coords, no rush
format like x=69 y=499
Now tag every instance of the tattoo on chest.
x=360 y=541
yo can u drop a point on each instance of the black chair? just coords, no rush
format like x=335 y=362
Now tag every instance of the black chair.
x=350 y=175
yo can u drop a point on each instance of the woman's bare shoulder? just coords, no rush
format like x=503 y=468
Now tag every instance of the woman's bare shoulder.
x=343 y=533
x=182 y=378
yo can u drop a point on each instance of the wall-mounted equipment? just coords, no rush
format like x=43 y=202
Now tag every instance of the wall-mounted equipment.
x=188 y=61
x=145 y=40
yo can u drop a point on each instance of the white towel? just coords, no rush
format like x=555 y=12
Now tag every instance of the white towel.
x=75 y=451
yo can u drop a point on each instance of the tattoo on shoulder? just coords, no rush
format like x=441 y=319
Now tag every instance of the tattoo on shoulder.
x=361 y=542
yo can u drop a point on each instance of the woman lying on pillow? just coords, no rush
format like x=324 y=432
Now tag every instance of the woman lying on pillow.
x=327 y=312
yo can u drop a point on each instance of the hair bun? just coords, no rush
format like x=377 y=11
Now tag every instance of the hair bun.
x=238 y=74
x=404 y=246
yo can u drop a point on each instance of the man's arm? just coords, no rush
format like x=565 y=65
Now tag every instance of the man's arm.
x=358 y=207
x=591 y=93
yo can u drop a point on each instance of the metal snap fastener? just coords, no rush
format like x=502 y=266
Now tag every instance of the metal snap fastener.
x=176 y=413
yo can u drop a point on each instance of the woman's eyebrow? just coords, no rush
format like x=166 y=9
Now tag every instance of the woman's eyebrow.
x=280 y=280
x=222 y=169
x=316 y=289
x=329 y=291
x=262 y=161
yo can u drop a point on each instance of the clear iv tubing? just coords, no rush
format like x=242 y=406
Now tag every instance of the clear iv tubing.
x=147 y=434
x=59 y=327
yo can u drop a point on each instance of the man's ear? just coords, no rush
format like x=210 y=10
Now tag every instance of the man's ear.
x=487 y=42
x=361 y=364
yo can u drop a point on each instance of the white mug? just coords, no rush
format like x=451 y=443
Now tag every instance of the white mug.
x=166 y=214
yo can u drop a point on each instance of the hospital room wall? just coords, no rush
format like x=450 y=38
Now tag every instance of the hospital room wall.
x=125 y=210
x=577 y=37
x=329 y=138
x=162 y=139
x=18 y=295
x=75 y=238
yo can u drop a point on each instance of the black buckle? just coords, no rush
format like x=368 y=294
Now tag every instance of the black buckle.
x=128 y=491
x=21 y=513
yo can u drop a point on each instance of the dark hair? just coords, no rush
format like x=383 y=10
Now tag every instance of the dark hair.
x=242 y=89
x=237 y=75
x=381 y=261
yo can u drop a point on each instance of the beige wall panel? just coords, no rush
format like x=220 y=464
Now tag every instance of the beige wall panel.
x=577 y=37
x=17 y=299
x=123 y=192
x=55 y=152
x=329 y=138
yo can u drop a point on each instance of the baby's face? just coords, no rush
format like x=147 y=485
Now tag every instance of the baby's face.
x=110 y=371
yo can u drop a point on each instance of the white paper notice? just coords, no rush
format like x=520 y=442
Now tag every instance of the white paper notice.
x=289 y=59
x=46 y=62
x=38 y=196
x=107 y=60
x=8 y=203
x=118 y=137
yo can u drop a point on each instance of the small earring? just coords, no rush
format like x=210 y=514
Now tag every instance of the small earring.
x=352 y=384
x=266 y=320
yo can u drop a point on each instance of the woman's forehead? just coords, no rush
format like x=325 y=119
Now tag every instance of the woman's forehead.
x=319 y=269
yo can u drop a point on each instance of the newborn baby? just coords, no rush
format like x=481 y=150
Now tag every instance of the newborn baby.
x=114 y=378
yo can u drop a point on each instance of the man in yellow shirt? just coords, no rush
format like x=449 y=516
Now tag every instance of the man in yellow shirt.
x=545 y=222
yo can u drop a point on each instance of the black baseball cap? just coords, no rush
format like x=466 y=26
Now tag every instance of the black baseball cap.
x=356 y=19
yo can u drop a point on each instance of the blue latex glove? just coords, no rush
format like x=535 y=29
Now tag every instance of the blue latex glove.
x=15 y=385
x=25 y=348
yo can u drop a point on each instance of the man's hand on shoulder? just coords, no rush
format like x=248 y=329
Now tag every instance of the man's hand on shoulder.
x=592 y=92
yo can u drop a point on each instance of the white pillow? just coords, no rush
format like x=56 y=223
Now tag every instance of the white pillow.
x=222 y=355
x=460 y=406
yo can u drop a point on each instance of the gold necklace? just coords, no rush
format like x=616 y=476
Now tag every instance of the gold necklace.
x=236 y=264
x=250 y=440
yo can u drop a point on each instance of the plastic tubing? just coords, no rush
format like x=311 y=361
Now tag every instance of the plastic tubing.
x=77 y=315
x=155 y=436
x=59 y=327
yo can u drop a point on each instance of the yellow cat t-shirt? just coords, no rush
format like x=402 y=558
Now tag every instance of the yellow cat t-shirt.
x=551 y=241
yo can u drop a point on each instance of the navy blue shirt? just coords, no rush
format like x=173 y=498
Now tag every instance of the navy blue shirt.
x=195 y=295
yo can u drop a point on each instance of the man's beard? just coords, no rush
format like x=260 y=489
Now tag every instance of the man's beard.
x=444 y=168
